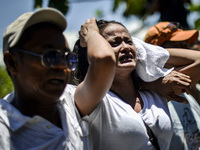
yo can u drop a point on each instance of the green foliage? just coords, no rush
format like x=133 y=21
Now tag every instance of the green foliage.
x=38 y=4
x=133 y=7
x=140 y=8
x=197 y=24
x=62 y=5
x=196 y=8
x=6 y=85
x=99 y=13
x=116 y=5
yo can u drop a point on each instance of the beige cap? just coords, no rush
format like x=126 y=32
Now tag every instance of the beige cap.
x=15 y=30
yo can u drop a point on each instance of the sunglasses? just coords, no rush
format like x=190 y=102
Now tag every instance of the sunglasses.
x=173 y=26
x=52 y=58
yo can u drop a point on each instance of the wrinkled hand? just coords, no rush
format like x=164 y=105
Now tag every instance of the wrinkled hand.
x=175 y=84
x=87 y=29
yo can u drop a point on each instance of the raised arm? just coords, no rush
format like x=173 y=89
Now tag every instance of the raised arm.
x=170 y=86
x=101 y=71
x=185 y=61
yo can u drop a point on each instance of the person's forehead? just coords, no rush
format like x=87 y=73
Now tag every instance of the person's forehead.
x=49 y=38
x=115 y=29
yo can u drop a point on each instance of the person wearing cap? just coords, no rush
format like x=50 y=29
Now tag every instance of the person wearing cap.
x=40 y=113
x=170 y=35
x=185 y=117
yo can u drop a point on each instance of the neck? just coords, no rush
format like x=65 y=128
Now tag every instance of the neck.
x=30 y=107
x=125 y=89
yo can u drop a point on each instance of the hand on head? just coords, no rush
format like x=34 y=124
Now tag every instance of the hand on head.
x=87 y=29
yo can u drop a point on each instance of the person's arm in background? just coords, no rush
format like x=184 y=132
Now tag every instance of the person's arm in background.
x=171 y=86
x=185 y=61
x=101 y=71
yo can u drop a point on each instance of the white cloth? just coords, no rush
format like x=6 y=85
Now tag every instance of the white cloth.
x=151 y=60
x=114 y=125
x=20 y=132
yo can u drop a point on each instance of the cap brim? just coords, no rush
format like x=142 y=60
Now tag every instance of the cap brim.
x=190 y=36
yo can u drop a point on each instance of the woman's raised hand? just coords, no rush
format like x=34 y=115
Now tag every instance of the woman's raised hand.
x=88 y=29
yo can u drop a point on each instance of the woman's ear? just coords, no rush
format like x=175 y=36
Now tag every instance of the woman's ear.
x=10 y=62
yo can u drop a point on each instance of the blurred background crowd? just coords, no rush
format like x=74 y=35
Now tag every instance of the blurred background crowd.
x=137 y=15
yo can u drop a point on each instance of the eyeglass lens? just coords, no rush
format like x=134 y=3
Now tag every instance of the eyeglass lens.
x=52 y=58
x=71 y=60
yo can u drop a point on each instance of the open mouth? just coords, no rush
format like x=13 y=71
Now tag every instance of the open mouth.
x=126 y=58
x=57 y=81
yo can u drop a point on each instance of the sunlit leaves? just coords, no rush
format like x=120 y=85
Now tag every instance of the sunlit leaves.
x=197 y=24
x=6 y=85
x=38 y=4
x=62 y=5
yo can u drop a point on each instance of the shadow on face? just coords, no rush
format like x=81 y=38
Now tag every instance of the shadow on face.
x=32 y=77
